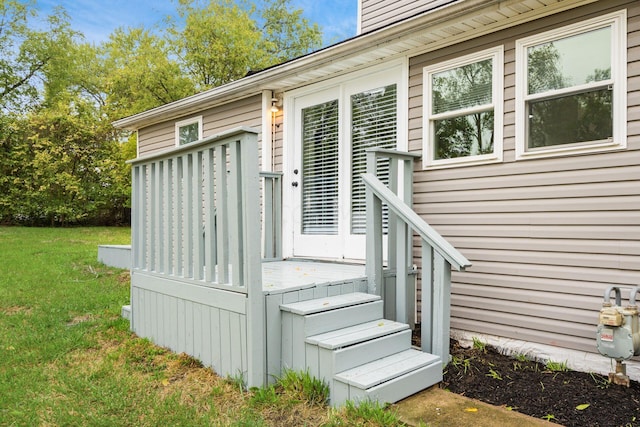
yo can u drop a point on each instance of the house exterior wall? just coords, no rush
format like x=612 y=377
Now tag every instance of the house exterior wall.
x=243 y=112
x=546 y=236
x=378 y=13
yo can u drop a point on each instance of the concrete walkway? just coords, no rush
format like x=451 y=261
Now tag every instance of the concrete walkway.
x=437 y=407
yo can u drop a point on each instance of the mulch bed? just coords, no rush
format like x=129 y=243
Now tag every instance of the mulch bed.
x=565 y=397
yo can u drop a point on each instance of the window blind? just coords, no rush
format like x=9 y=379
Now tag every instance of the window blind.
x=320 y=168
x=373 y=124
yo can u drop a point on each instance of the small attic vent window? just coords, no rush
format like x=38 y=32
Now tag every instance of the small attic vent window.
x=188 y=130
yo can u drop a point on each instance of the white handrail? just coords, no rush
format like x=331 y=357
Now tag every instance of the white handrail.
x=417 y=224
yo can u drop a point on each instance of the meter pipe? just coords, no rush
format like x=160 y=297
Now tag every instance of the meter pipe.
x=607 y=295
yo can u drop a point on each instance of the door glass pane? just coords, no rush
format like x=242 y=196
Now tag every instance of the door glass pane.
x=571 y=119
x=320 y=169
x=462 y=87
x=570 y=61
x=468 y=135
x=373 y=124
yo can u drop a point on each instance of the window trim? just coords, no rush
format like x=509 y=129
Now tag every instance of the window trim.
x=496 y=54
x=618 y=23
x=187 y=122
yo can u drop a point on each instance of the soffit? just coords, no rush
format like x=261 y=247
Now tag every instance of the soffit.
x=455 y=22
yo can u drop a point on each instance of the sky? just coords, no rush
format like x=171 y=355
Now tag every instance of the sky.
x=96 y=19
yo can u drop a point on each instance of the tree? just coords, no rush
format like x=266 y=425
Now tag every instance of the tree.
x=223 y=41
x=139 y=73
x=286 y=33
x=29 y=57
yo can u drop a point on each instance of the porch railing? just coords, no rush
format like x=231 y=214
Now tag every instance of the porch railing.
x=272 y=215
x=437 y=255
x=197 y=220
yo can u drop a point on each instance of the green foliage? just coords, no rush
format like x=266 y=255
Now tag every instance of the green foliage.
x=601 y=381
x=553 y=366
x=61 y=162
x=302 y=386
x=367 y=413
x=494 y=374
x=247 y=38
x=479 y=345
x=461 y=363
x=140 y=73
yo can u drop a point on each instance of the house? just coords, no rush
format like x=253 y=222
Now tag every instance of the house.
x=513 y=129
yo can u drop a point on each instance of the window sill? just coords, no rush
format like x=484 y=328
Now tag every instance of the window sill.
x=462 y=162
x=560 y=151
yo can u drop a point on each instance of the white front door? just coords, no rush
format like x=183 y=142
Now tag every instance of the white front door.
x=332 y=127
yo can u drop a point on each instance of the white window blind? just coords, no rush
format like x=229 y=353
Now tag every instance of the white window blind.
x=320 y=168
x=373 y=124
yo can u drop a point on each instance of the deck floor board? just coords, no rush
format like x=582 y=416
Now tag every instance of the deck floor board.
x=283 y=276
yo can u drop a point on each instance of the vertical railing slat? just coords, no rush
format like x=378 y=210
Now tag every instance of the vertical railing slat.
x=235 y=214
x=426 y=324
x=178 y=243
x=402 y=272
x=209 y=218
x=222 y=203
x=166 y=226
x=373 y=263
x=159 y=209
x=187 y=233
x=196 y=216
x=278 y=216
x=144 y=212
x=393 y=225
x=153 y=217
x=267 y=222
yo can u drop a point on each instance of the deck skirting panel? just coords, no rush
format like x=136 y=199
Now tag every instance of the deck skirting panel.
x=214 y=297
x=206 y=323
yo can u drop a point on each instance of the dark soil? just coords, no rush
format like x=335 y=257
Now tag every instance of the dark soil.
x=532 y=388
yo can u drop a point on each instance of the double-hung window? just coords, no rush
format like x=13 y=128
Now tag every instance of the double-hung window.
x=463 y=117
x=188 y=130
x=570 y=89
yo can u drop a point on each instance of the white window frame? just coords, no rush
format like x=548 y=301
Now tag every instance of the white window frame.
x=496 y=54
x=618 y=23
x=187 y=122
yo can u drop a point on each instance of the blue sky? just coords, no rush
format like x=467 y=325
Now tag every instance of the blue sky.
x=96 y=19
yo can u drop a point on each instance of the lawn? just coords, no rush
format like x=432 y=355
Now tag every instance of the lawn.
x=67 y=358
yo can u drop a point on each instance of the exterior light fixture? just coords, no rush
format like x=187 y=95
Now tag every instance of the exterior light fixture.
x=274 y=107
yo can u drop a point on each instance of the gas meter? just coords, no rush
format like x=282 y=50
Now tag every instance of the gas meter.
x=618 y=333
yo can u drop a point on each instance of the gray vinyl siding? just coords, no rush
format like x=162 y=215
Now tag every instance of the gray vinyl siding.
x=243 y=112
x=378 y=13
x=547 y=236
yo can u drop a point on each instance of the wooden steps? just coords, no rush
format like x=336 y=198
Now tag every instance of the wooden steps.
x=345 y=341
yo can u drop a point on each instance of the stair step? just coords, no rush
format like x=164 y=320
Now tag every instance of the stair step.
x=331 y=361
x=382 y=370
x=356 y=334
x=318 y=305
x=389 y=379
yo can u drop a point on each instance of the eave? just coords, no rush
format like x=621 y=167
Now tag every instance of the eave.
x=452 y=23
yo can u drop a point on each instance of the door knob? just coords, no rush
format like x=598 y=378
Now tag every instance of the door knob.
x=294 y=184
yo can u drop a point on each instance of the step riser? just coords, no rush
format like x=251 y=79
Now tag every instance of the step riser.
x=391 y=391
x=296 y=328
x=328 y=362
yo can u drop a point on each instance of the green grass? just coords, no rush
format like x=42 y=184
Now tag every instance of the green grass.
x=67 y=358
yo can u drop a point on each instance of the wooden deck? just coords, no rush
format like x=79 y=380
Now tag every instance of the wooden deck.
x=290 y=275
